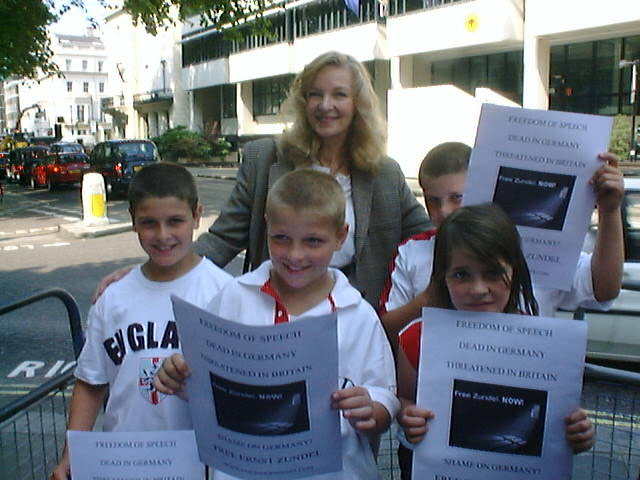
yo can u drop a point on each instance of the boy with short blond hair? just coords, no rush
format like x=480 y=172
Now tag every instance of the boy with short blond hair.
x=305 y=226
x=131 y=328
x=443 y=171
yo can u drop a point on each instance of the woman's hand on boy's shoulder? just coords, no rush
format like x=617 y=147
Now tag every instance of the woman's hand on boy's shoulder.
x=108 y=280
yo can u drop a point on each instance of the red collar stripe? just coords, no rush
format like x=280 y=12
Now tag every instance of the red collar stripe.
x=281 y=314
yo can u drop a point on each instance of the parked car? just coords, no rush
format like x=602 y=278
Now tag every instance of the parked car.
x=615 y=335
x=4 y=163
x=59 y=169
x=119 y=160
x=22 y=160
x=66 y=147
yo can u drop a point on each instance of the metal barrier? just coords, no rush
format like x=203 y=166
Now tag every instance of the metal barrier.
x=32 y=428
x=612 y=399
x=70 y=304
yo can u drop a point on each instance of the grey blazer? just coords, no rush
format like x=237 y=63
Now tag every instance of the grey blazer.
x=386 y=213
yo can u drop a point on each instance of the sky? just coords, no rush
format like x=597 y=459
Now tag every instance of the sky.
x=74 y=22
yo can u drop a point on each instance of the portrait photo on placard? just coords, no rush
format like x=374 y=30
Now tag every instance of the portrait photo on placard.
x=532 y=198
x=264 y=410
x=497 y=418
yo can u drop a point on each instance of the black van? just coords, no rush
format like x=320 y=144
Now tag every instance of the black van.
x=119 y=160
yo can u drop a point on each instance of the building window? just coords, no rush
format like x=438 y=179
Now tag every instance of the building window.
x=501 y=72
x=101 y=87
x=84 y=65
x=100 y=64
x=69 y=86
x=269 y=93
x=80 y=113
x=68 y=63
x=229 y=101
x=85 y=87
x=584 y=77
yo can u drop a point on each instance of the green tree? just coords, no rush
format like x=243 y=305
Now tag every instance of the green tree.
x=621 y=137
x=24 y=44
x=25 y=48
x=156 y=14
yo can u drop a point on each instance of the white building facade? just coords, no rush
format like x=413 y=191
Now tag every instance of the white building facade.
x=71 y=98
x=146 y=97
x=432 y=62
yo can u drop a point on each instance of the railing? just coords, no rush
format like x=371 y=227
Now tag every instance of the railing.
x=75 y=325
x=399 y=7
x=287 y=25
x=612 y=399
x=32 y=428
x=153 y=96
x=109 y=103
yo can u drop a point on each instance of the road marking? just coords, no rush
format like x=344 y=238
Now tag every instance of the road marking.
x=13 y=248
x=58 y=212
x=43 y=229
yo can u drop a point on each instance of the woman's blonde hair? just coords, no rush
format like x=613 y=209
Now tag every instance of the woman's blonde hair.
x=366 y=142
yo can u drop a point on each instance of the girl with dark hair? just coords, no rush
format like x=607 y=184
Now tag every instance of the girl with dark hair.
x=478 y=266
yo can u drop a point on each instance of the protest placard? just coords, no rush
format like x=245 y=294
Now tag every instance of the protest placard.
x=260 y=396
x=134 y=455
x=536 y=164
x=500 y=386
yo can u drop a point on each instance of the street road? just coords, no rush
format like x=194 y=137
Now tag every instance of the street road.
x=35 y=343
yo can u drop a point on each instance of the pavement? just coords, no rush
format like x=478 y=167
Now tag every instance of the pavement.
x=114 y=225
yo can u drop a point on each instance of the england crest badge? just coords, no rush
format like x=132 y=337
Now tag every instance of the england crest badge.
x=147 y=369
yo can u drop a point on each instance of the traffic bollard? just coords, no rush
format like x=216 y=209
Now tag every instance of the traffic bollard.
x=94 y=207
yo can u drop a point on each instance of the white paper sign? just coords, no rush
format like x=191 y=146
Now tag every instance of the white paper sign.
x=536 y=164
x=500 y=386
x=260 y=396
x=134 y=455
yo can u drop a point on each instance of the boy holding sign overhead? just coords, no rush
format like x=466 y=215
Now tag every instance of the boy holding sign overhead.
x=442 y=176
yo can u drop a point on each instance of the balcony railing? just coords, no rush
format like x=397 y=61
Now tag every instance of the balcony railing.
x=153 y=96
x=110 y=103
x=399 y=7
x=287 y=25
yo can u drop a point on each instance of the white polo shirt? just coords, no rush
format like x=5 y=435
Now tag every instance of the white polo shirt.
x=364 y=353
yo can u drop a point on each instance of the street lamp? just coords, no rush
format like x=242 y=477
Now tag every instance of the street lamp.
x=633 y=99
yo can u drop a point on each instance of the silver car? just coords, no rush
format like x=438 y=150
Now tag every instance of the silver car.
x=615 y=334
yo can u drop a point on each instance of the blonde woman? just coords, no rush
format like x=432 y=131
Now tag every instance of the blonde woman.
x=337 y=126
